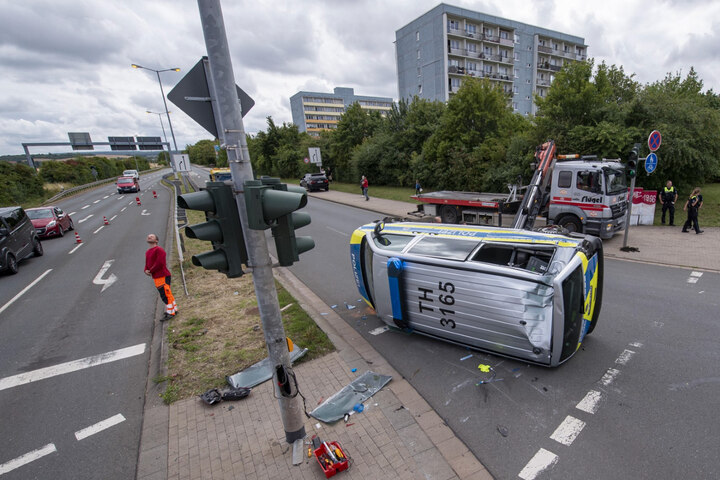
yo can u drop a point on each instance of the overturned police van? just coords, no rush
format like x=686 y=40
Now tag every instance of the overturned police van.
x=528 y=295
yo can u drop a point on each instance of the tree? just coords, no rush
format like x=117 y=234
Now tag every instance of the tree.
x=354 y=127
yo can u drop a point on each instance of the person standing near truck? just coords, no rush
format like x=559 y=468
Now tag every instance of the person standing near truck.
x=668 y=197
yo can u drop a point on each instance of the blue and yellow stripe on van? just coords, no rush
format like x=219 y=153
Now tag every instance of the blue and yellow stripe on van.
x=356 y=262
x=590 y=270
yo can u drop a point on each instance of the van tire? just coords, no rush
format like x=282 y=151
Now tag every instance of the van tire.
x=12 y=265
x=449 y=214
x=38 y=248
x=570 y=223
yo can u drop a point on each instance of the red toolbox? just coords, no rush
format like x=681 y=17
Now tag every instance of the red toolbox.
x=326 y=462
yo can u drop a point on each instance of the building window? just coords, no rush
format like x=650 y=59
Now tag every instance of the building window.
x=488 y=32
x=472 y=47
x=515 y=56
x=418 y=54
x=527 y=81
x=417 y=36
x=419 y=72
x=517 y=38
x=529 y=65
x=515 y=106
x=420 y=89
x=453 y=25
x=516 y=89
x=555 y=46
x=454 y=63
x=488 y=51
x=470 y=28
x=488 y=69
x=454 y=45
x=503 y=34
x=517 y=73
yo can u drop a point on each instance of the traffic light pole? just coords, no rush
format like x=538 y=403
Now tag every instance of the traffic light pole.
x=227 y=107
x=629 y=212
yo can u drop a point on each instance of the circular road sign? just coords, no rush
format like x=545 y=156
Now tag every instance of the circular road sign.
x=654 y=140
x=651 y=163
x=306 y=160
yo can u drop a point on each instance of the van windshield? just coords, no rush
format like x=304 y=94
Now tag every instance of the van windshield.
x=615 y=181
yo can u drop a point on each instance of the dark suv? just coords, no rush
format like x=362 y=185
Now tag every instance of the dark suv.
x=315 y=181
x=18 y=238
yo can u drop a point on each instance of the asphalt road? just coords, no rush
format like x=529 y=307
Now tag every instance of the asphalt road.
x=638 y=401
x=75 y=331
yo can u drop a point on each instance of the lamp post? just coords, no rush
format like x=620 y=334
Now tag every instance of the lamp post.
x=157 y=72
x=159 y=114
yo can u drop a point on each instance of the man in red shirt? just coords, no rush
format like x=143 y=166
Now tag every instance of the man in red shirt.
x=156 y=267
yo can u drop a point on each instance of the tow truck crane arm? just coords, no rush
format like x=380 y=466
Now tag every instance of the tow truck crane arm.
x=536 y=196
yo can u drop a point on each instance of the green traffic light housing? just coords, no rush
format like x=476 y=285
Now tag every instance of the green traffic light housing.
x=631 y=166
x=222 y=229
x=271 y=204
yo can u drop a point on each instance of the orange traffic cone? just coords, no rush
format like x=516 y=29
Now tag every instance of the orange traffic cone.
x=154 y=194
x=105 y=221
x=137 y=199
x=77 y=238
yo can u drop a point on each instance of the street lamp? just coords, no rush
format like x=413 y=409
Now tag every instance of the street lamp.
x=159 y=114
x=157 y=72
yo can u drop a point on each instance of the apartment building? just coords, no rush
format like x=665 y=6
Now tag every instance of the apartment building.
x=439 y=50
x=313 y=112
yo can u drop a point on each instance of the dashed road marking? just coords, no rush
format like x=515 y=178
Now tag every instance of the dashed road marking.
x=86 y=206
x=624 y=357
x=97 y=201
x=113 y=218
x=591 y=402
x=123 y=209
x=609 y=376
x=542 y=460
x=338 y=231
x=568 y=430
x=86 y=218
x=27 y=458
x=101 y=227
x=24 y=290
x=76 y=247
x=99 y=427
x=69 y=367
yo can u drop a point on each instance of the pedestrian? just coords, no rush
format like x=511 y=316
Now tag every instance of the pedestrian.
x=418 y=188
x=668 y=197
x=364 y=185
x=156 y=267
x=692 y=206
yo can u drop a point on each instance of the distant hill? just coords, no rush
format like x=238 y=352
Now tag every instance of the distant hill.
x=40 y=157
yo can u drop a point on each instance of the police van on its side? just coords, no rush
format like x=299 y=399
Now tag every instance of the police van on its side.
x=524 y=294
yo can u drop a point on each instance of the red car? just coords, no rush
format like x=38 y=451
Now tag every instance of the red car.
x=50 y=221
x=128 y=184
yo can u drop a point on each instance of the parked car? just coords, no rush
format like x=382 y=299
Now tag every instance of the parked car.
x=131 y=173
x=18 y=238
x=50 y=221
x=315 y=181
x=127 y=184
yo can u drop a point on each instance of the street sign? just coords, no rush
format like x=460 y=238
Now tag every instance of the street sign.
x=149 y=143
x=80 y=141
x=306 y=160
x=651 y=162
x=654 y=140
x=182 y=162
x=315 y=156
x=192 y=96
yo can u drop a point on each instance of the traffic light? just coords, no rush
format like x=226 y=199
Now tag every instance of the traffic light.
x=631 y=166
x=222 y=228
x=271 y=204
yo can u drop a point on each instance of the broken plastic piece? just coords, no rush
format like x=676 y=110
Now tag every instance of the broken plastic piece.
x=211 y=397
x=484 y=368
x=260 y=372
x=466 y=357
x=342 y=402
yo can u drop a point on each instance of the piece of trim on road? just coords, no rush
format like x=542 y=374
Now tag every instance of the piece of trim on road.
x=542 y=460
x=27 y=458
x=24 y=290
x=69 y=367
x=568 y=430
x=99 y=427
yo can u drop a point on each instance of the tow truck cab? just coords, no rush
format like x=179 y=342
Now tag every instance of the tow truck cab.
x=523 y=294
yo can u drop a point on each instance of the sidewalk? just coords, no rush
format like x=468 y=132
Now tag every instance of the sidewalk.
x=398 y=435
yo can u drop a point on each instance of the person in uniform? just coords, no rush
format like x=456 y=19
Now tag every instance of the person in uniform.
x=156 y=267
x=668 y=197
x=691 y=207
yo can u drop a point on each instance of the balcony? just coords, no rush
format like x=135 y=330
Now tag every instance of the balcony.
x=544 y=49
x=543 y=83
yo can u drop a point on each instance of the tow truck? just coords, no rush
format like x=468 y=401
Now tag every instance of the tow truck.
x=581 y=194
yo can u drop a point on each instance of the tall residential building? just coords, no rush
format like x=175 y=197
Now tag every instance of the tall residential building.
x=437 y=51
x=313 y=112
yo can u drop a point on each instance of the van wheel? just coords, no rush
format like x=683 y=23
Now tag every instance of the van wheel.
x=592 y=326
x=449 y=214
x=570 y=223
x=38 y=248
x=12 y=265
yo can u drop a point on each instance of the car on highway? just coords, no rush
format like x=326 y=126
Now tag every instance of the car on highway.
x=529 y=295
x=131 y=173
x=315 y=181
x=18 y=238
x=50 y=221
x=128 y=184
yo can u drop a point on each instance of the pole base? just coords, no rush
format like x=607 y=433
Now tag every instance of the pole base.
x=290 y=437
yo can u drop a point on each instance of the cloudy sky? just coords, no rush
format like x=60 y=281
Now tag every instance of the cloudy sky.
x=65 y=64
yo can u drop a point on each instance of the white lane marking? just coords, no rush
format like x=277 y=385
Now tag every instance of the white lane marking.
x=144 y=212
x=105 y=282
x=609 y=376
x=568 y=430
x=101 y=227
x=72 y=213
x=27 y=458
x=99 y=427
x=591 y=402
x=379 y=330
x=73 y=250
x=338 y=231
x=542 y=460
x=692 y=280
x=113 y=218
x=86 y=218
x=106 y=196
x=24 y=290
x=624 y=357
x=69 y=367
x=86 y=206
x=97 y=201
x=123 y=209
x=636 y=344
x=696 y=274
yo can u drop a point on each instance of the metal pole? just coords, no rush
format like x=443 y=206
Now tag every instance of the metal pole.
x=163 y=127
x=223 y=82
x=166 y=110
x=629 y=211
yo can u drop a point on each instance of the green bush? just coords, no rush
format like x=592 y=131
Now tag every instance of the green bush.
x=18 y=184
